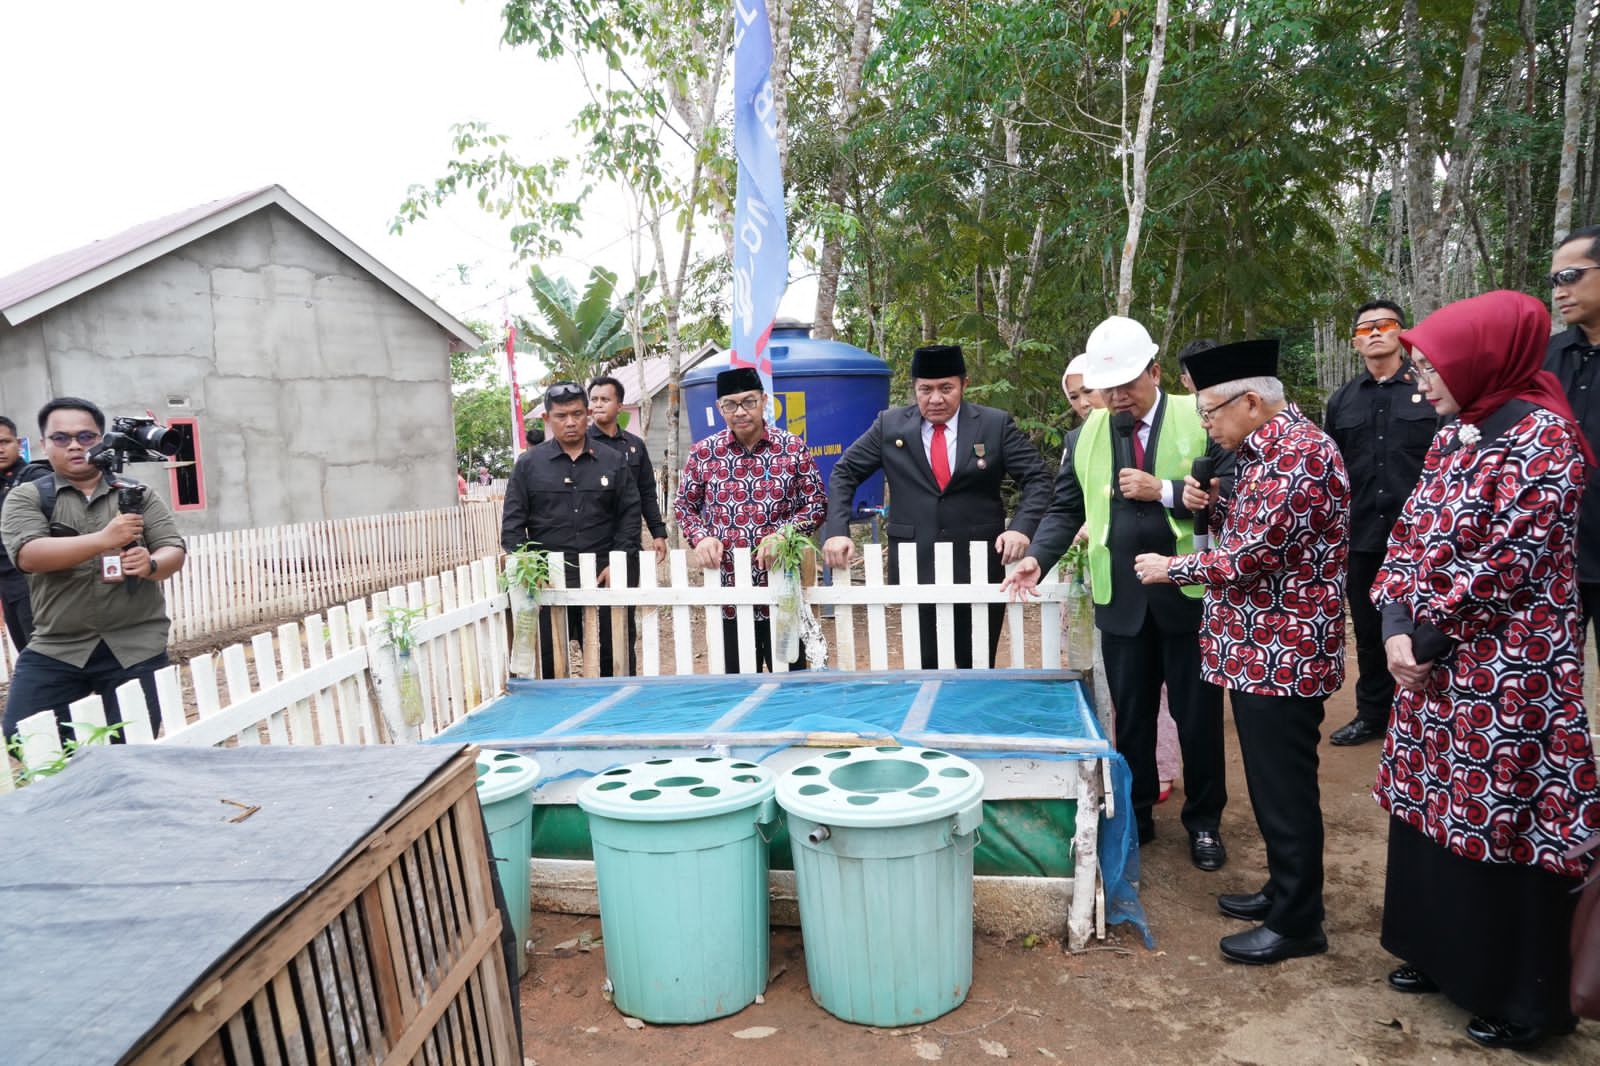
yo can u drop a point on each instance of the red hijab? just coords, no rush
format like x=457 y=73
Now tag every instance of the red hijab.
x=1490 y=350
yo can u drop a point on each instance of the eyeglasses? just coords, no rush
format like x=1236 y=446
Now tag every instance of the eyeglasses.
x=84 y=437
x=1377 y=325
x=1206 y=413
x=1425 y=370
x=750 y=405
x=1569 y=276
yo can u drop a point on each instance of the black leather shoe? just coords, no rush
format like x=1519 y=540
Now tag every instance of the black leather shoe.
x=1490 y=1033
x=1248 y=906
x=1205 y=848
x=1261 y=945
x=1357 y=731
x=1147 y=833
x=1411 y=980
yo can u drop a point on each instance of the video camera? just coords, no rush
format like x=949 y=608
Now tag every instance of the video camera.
x=132 y=440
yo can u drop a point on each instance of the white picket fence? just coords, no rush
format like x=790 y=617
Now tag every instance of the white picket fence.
x=327 y=680
x=250 y=577
x=678 y=619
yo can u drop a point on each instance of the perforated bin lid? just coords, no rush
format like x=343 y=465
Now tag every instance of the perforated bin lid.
x=881 y=787
x=502 y=774
x=665 y=790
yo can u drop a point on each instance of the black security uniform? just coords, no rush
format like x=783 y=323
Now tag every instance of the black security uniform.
x=631 y=448
x=13 y=583
x=1576 y=362
x=587 y=504
x=1383 y=430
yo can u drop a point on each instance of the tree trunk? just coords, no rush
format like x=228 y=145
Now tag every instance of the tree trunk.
x=782 y=44
x=854 y=60
x=1134 y=197
x=1170 y=322
x=1571 y=130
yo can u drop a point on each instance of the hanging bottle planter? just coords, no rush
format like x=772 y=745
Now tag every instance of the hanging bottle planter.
x=790 y=550
x=527 y=571
x=399 y=623
x=1077 y=615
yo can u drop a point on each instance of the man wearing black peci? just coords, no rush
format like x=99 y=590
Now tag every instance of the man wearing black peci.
x=1383 y=428
x=1122 y=481
x=945 y=461
x=566 y=494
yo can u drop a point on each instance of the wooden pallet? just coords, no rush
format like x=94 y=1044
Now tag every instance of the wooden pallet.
x=393 y=957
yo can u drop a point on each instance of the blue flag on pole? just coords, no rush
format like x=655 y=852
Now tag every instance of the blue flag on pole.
x=760 y=239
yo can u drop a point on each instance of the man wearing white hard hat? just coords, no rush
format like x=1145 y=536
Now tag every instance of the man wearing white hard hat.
x=1123 y=481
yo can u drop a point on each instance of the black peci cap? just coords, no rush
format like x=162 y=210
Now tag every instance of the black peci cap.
x=739 y=379
x=1233 y=362
x=939 y=361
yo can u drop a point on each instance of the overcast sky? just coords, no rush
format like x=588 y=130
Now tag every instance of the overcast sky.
x=117 y=113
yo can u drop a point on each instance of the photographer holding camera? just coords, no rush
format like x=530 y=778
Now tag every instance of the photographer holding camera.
x=92 y=561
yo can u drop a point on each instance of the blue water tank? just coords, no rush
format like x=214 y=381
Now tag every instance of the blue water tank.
x=828 y=392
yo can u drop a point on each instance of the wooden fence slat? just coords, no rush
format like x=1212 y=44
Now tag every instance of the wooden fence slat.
x=682 y=638
x=910 y=617
x=589 y=578
x=978 y=560
x=649 y=621
x=203 y=681
x=1014 y=626
x=327 y=711
x=169 y=694
x=944 y=575
x=1050 y=626
x=877 y=625
x=716 y=654
x=621 y=647
x=236 y=671
x=265 y=656
x=301 y=730
x=135 y=713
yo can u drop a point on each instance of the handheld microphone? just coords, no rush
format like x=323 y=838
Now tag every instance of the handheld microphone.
x=1121 y=446
x=1203 y=470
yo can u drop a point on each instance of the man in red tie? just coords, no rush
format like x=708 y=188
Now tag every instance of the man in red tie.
x=945 y=461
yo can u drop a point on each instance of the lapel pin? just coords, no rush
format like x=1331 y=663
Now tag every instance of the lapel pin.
x=899 y=442
x=1415 y=398
x=977 y=449
x=604 y=481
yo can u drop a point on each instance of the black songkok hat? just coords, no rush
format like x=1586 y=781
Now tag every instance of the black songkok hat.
x=739 y=379
x=939 y=361
x=1233 y=362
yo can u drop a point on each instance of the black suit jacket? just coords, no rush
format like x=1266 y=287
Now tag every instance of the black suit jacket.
x=1136 y=527
x=989 y=448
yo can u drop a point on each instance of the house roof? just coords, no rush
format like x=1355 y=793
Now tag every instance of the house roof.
x=52 y=282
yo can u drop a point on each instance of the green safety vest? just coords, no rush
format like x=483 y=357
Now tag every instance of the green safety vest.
x=1183 y=439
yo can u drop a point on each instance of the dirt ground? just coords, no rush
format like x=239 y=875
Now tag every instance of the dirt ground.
x=1116 y=1003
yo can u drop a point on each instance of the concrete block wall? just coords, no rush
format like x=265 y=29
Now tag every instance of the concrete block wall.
x=319 y=392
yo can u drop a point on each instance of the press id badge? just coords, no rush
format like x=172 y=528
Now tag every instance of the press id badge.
x=111 y=568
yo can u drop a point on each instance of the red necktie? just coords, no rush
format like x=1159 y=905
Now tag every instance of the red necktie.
x=1138 y=447
x=940 y=457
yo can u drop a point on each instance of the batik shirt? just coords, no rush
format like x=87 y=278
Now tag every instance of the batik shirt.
x=1274 y=609
x=740 y=495
x=1493 y=760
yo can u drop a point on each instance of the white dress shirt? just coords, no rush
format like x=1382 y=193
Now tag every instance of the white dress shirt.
x=949 y=440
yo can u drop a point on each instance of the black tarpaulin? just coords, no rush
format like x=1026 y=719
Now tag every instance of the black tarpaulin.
x=123 y=880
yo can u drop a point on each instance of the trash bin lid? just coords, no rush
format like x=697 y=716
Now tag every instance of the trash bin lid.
x=676 y=789
x=503 y=774
x=881 y=787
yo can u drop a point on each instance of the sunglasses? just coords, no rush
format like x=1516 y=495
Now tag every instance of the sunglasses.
x=84 y=437
x=564 y=392
x=1569 y=276
x=1377 y=325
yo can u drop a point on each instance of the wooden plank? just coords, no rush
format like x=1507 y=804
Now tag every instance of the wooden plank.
x=944 y=575
x=169 y=695
x=978 y=560
x=1015 y=627
x=236 y=671
x=1050 y=626
x=744 y=616
x=588 y=579
x=910 y=617
x=301 y=729
x=454 y=705
x=288 y=1011
x=350 y=717
x=716 y=654
x=620 y=646
x=84 y=716
x=682 y=637
x=844 y=624
x=649 y=621
x=223 y=724
x=471 y=680
x=559 y=653
x=877 y=626
x=380 y=950
x=135 y=713
x=203 y=681
x=267 y=1027
x=305 y=972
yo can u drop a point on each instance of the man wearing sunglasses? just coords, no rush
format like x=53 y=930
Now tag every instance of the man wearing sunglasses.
x=99 y=618
x=568 y=494
x=1383 y=426
x=1574 y=358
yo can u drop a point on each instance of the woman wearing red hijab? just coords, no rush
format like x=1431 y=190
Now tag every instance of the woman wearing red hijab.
x=1487 y=773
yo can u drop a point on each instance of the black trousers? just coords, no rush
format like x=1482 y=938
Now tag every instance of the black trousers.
x=1589 y=602
x=1136 y=668
x=1374 y=683
x=18 y=608
x=41 y=683
x=1278 y=738
x=730 y=647
x=547 y=648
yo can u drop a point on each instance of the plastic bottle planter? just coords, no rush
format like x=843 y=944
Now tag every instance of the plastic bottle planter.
x=524 y=632
x=883 y=841
x=410 y=686
x=786 y=610
x=680 y=860
x=1078 y=619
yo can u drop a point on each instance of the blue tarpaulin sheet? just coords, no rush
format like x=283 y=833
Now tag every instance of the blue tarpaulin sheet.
x=979 y=714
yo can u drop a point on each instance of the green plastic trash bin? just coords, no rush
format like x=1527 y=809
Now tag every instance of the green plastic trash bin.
x=883 y=841
x=505 y=792
x=680 y=860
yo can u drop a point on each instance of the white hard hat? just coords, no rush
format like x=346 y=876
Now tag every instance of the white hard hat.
x=1079 y=362
x=1118 y=351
